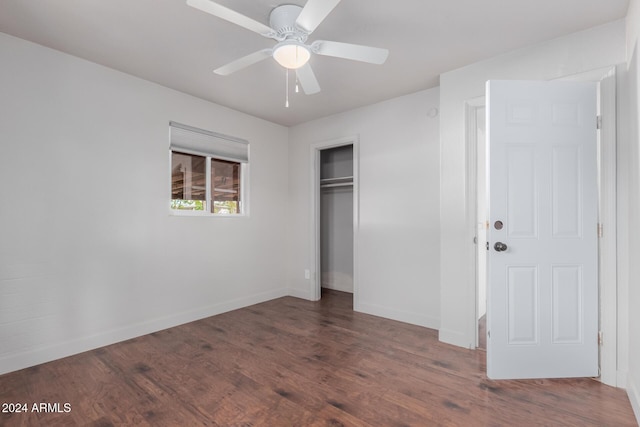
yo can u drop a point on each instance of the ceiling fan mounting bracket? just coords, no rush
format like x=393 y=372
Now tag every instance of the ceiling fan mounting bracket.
x=283 y=22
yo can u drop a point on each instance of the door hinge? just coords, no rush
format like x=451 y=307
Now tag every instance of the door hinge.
x=600 y=338
x=598 y=122
x=600 y=230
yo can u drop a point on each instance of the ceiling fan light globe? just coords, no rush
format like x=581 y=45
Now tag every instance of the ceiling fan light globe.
x=291 y=55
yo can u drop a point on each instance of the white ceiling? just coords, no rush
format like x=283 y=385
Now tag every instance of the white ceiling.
x=170 y=43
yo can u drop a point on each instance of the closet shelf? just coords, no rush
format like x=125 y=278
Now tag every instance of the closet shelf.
x=341 y=181
x=336 y=180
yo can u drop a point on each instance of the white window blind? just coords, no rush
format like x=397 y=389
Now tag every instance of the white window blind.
x=191 y=140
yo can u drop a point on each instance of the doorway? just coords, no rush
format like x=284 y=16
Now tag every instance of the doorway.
x=334 y=183
x=336 y=219
x=476 y=145
x=607 y=256
x=478 y=138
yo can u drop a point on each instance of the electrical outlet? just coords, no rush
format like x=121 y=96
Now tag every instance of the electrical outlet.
x=307 y=274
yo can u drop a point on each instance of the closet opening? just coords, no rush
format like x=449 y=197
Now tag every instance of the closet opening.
x=335 y=214
x=336 y=219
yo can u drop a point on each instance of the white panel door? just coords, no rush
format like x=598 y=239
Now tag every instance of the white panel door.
x=542 y=318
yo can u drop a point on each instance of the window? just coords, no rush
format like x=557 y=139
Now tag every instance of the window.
x=188 y=182
x=225 y=178
x=207 y=172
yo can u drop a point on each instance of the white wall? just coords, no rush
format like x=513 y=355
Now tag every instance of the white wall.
x=632 y=195
x=89 y=254
x=397 y=246
x=583 y=51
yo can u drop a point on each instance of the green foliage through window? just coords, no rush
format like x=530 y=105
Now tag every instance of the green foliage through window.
x=188 y=205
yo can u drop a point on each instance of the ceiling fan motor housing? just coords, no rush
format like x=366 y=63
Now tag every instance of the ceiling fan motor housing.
x=283 y=21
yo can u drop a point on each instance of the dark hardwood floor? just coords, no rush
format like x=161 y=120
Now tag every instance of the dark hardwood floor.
x=290 y=362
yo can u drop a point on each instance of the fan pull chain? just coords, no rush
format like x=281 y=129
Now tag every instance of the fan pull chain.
x=286 y=104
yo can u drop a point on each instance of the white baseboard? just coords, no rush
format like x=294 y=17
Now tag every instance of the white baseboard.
x=17 y=361
x=621 y=379
x=633 y=391
x=342 y=287
x=455 y=338
x=302 y=294
x=399 y=315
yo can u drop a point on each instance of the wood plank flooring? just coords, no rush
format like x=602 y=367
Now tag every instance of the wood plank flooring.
x=290 y=362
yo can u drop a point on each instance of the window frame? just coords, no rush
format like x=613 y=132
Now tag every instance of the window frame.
x=209 y=155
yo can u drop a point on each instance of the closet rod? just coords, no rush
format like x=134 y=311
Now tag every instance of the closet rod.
x=337 y=179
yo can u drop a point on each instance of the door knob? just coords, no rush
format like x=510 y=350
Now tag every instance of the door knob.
x=500 y=247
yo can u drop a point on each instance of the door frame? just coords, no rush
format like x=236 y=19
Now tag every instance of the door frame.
x=607 y=214
x=316 y=148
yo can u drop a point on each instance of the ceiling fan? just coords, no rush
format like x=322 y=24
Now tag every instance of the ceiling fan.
x=291 y=25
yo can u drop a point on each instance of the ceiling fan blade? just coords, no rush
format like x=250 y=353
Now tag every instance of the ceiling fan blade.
x=243 y=62
x=373 y=55
x=314 y=13
x=232 y=16
x=307 y=79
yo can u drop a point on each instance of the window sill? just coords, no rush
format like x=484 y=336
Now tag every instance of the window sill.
x=202 y=214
